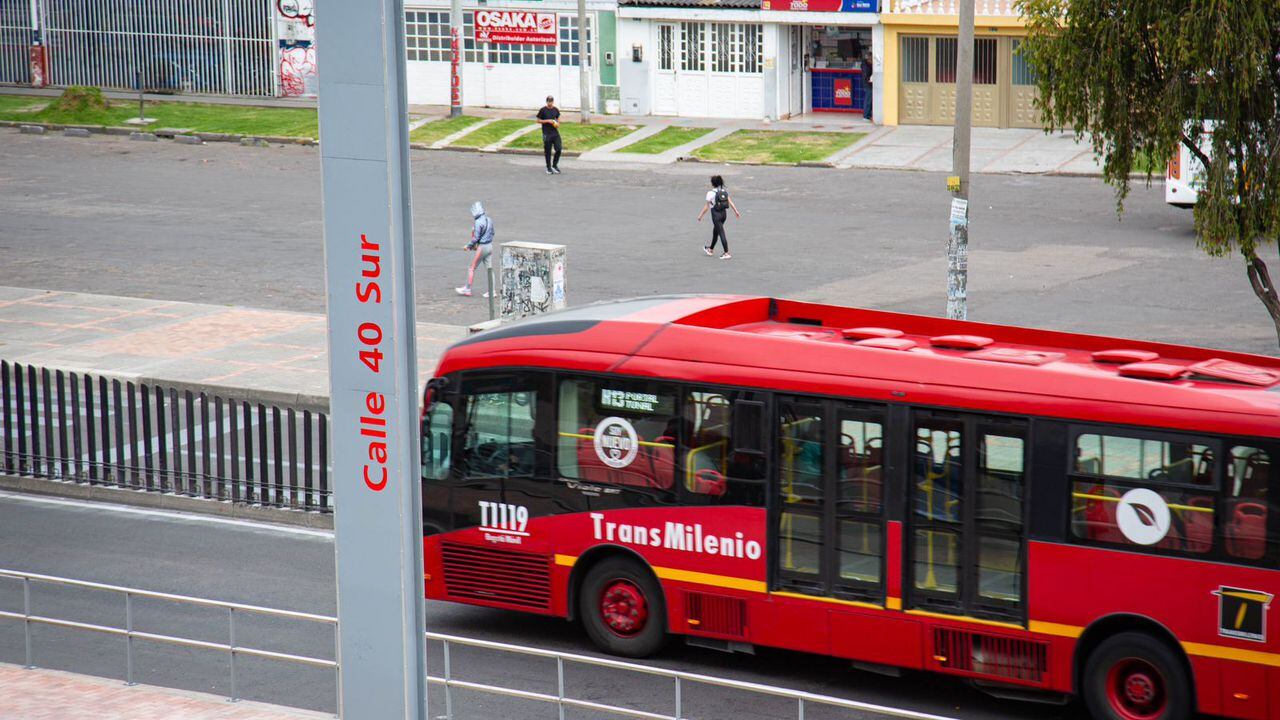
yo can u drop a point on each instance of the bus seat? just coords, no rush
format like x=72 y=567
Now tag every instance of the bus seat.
x=662 y=462
x=1100 y=516
x=1198 y=526
x=1204 y=470
x=1247 y=531
x=709 y=482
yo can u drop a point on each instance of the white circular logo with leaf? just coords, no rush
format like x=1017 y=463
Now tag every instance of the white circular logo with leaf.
x=1143 y=516
x=616 y=442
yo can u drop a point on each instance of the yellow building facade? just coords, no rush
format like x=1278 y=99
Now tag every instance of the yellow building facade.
x=919 y=64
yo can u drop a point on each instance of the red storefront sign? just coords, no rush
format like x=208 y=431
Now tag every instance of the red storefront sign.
x=516 y=27
x=843 y=91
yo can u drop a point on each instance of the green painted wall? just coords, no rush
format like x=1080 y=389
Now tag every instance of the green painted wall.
x=608 y=43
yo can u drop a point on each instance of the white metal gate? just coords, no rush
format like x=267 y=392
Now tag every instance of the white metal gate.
x=15 y=41
x=200 y=46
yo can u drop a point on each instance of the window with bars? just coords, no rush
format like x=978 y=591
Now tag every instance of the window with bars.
x=526 y=54
x=1023 y=74
x=666 y=54
x=915 y=59
x=691 y=47
x=426 y=35
x=569 y=41
x=735 y=48
x=471 y=50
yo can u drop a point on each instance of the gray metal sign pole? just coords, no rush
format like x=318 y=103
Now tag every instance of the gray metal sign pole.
x=373 y=375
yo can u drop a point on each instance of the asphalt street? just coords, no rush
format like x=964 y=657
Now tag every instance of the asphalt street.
x=236 y=225
x=293 y=569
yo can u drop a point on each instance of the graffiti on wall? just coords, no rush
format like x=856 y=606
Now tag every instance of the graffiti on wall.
x=532 y=279
x=295 y=23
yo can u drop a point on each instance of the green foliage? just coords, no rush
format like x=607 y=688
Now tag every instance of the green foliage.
x=578 y=137
x=80 y=98
x=1142 y=77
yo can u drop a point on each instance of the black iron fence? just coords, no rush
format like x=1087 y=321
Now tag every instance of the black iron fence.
x=86 y=428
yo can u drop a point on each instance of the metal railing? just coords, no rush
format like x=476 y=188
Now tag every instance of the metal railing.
x=16 y=27
x=203 y=46
x=231 y=647
x=561 y=699
x=93 y=430
x=986 y=8
x=681 y=680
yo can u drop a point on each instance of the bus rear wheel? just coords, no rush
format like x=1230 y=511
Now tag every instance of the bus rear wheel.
x=1134 y=676
x=622 y=608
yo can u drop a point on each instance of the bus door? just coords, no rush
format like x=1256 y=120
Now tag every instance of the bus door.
x=829 y=487
x=966 y=545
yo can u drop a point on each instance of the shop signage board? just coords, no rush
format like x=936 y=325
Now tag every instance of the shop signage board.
x=859 y=6
x=843 y=92
x=516 y=27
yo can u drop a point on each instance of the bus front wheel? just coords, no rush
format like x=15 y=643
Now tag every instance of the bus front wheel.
x=622 y=608
x=1134 y=676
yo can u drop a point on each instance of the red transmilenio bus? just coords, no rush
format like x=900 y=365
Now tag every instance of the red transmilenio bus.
x=1034 y=510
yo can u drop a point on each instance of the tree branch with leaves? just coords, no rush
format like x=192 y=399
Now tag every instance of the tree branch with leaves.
x=1140 y=78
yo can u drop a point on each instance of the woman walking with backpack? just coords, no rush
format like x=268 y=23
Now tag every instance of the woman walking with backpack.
x=719 y=203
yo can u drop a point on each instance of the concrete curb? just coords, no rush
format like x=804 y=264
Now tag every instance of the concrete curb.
x=681 y=154
x=164 y=501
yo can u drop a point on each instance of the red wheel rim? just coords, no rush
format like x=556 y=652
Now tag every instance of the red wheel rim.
x=1136 y=690
x=623 y=608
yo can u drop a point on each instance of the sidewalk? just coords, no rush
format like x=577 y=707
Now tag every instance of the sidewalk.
x=993 y=150
x=39 y=694
x=262 y=351
x=905 y=147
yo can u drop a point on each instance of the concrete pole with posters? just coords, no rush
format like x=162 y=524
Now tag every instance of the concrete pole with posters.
x=368 y=248
x=958 y=241
x=455 y=58
x=584 y=64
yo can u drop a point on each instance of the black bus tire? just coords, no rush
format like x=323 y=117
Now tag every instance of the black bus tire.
x=622 y=608
x=1134 y=675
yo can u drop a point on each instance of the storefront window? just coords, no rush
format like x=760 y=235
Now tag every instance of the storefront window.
x=569 y=41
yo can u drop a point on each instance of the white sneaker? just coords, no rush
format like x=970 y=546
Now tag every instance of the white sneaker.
x=464 y=291
x=708 y=251
x=485 y=295
x=726 y=256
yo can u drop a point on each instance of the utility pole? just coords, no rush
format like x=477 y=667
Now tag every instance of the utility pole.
x=373 y=370
x=584 y=69
x=958 y=183
x=455 y=58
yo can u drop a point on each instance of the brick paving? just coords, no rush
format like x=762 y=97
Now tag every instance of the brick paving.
x=39 y=694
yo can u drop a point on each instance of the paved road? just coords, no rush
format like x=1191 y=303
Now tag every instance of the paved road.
x=233 y=225
x=294 y=570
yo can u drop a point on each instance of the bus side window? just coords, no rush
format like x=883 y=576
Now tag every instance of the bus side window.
x=722 y=437
x=1181 y=473
x=498 y=440
x=1247 y=506
x=617 y=432
x=437 y=433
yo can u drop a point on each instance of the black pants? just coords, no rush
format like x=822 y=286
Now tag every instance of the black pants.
x=717 y=229
x=549 y=142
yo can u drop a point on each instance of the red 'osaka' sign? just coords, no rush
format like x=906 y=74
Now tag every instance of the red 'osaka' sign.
x=515 y=27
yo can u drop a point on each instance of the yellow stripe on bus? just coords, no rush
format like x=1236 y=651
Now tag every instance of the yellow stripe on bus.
x=1041 y=627
x=1108 y=498
x=643 y=443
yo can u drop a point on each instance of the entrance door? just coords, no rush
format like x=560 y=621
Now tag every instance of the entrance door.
x=830 y=525
x=965 y=542
x=1022 y=90
x=691 y=78
x=665 y=97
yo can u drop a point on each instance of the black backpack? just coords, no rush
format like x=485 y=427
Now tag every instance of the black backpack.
x=722 y=199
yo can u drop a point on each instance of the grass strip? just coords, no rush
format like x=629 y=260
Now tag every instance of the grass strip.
x=491 y=133
x=769 y=147
x=663 y=141
x=577 y=137
x=440 y=129
x=20 y=104
x=231 y=119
